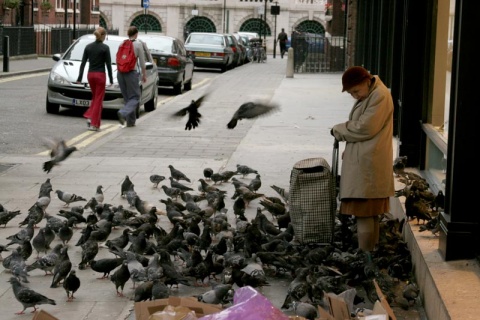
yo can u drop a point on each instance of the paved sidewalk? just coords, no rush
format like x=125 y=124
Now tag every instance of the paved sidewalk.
x=25 y=65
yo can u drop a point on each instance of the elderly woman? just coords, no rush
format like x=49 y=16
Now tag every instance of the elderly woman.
x=367 y=162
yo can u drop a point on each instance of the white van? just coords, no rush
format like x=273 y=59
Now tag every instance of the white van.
x=250 y=35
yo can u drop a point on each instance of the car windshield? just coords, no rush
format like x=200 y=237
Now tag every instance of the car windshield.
x=206 y=39
x=75 y=52
x=159 y=45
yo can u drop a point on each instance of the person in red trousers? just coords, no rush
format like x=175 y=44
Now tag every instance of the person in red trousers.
x=98 y=55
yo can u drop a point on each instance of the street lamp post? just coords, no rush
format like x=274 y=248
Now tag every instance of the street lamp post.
x=265 y=25
x=224 y=16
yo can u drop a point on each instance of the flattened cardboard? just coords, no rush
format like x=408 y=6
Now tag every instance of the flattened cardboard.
x=144 y=309
x=338 y=307
x=43 y=315
x=384 y=301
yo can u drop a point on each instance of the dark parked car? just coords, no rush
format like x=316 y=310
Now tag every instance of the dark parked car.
x=210 y=50
x=63 y=91
x=239 y=54
x=244 y=45
x=174 y=65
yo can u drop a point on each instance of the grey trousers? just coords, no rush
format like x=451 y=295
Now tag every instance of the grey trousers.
x=129 y=85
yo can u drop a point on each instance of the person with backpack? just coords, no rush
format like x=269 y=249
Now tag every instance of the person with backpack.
x=98 y=55
x=128 y=76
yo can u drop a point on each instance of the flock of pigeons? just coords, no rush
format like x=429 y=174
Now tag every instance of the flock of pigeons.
x=203 y=243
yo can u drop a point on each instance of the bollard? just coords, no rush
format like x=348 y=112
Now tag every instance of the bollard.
x=6 y=54
x=290 y=63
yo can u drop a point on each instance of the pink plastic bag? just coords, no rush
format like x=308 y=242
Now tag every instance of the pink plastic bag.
x=248 y=304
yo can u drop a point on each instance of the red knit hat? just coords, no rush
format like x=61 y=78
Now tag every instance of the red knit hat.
x=354 y=76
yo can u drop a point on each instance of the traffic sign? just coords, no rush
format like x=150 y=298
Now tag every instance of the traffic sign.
x=146 y=4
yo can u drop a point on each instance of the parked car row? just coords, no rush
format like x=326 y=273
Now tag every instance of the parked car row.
x=169 y=62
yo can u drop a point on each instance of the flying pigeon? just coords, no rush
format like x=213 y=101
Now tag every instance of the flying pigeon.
x=250 y=110
x=58 y=153
x=193 y=114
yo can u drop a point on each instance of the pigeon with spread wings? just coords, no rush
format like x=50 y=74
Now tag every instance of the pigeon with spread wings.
x=251 y=110
x=58 y=153
x=193 y=114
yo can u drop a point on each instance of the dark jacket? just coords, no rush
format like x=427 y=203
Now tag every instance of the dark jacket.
x=98 y=55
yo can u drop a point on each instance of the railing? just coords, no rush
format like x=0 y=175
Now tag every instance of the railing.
x=315 y=53
x=26 y=40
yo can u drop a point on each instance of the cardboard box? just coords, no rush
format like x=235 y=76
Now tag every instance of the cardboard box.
x=144 y=309
x=43 y=315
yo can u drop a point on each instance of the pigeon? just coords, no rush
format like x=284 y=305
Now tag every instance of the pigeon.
x=62 y=268
x=143 y=291
x=177 y=174
x=281 y=192
x=193 y=114
x=160 y=290
x=399 y=165
x=48 y=261
x=53 y=222
x=120 y=241
x=91 y=204
x=71 y=285
x=28 y=297
x=304 y=309
x=255 y=183
x=44 y=187
x=136 y=269
x=72 y=214
x=99 y=196
x=126 y=185
x=207 y=173
x=156 y=179
x=89 y=252
x=171 y=192
x=439 y=200
x=22 y=234
x=120 y=277
x=219 y=294
x=6 y=216
x=68 y=197
x=65 y=233
x=39 y=242
x=105 y=266
x=58 y=153
x=44 y=199
x=250 y=110
x=35 y=213
x=178 y=185
x=245 y=170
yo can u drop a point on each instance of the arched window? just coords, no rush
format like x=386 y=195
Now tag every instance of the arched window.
x=310 y=27
x=256 y=25
x=200 y=24
x=146 y=22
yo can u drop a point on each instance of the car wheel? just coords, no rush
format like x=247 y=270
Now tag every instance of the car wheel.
x=188 y=85
x=151 y=104
x=224 y=68
x=177 y=88
x=53 y=108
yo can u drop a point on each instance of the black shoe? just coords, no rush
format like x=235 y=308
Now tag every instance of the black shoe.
x=121 y=118
x=89 y=123
x=130 y=125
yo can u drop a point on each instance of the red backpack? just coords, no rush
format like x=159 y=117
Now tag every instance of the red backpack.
x=126 y=58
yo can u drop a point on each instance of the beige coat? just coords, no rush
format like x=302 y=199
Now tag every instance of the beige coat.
x=367 y=163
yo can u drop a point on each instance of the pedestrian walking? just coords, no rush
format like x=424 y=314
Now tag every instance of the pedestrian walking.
x=98 y=55
x=366 y=183
x=128 y=82
x=282 y=40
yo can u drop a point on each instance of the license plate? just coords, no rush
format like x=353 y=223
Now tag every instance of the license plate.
x=202 y=54
x=82 y=103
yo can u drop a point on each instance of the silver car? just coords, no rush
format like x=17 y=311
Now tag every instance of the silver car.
x=210 y=50
x=63 y=91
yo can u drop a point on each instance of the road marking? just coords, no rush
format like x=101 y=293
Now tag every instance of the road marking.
x=84 y=139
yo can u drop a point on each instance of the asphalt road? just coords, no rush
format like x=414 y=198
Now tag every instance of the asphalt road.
x=25 y=121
